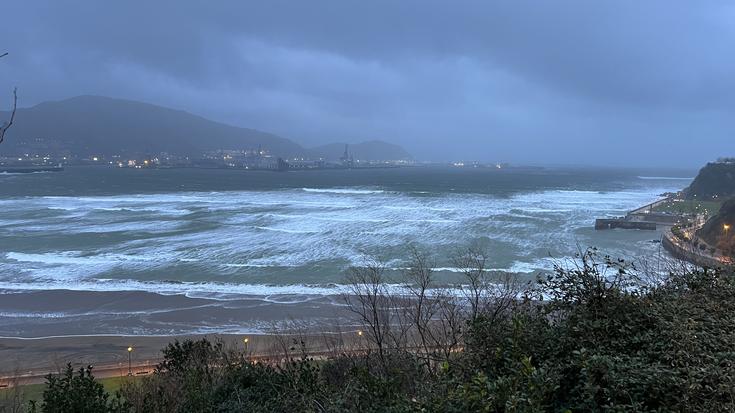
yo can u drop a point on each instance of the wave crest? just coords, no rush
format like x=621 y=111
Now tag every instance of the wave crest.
x=343 y=191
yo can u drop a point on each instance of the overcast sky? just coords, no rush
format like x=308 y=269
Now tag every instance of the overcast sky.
x=619 y=82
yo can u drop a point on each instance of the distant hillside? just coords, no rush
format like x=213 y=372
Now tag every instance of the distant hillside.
x=364 y=151
x=92 y=124
x=715 y=180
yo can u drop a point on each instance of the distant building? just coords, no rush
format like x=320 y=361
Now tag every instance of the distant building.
x=281 y=165
x=346 y=159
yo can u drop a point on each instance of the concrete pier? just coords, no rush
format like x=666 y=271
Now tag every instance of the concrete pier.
x=641 y=218
x=612 y=223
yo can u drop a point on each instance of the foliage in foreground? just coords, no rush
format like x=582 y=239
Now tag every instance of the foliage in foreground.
x=583 y=340
x=70 y=392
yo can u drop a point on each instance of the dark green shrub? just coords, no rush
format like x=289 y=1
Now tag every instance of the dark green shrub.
x=72 y=393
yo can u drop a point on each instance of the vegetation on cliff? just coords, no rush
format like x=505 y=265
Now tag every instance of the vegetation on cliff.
x=719 y=231
x=716 y=180
x=581 y=339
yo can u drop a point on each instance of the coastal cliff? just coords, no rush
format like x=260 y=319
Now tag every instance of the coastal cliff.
x=716 y=180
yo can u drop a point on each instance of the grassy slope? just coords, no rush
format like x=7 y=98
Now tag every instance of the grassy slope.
x=709 y=208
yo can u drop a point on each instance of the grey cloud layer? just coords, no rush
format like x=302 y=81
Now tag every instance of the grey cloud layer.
x=548 y=82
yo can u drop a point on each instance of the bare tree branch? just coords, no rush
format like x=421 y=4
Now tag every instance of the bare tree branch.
x=8 y=124
x=369 y=298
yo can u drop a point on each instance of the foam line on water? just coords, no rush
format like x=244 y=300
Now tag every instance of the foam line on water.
x=213 y=291
x=346 y=191
x=661 y=178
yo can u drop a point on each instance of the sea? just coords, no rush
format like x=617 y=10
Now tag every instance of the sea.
x=102 y=250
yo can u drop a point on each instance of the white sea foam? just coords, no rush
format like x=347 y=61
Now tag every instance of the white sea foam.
x=349 y=191
x=193 y=289
x=276 y=294
x=6 y=173
x=289 y=298
x=435 y=221
x=658 y=178
x=66 y=314
x=288 y=231
x=68 y=257
x=249 y=233
x=76 y=258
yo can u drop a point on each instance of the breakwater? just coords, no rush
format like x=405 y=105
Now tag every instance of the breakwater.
x=643 y=218
x=622 y=223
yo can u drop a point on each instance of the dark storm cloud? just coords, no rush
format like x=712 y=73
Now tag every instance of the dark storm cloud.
x=536 y=81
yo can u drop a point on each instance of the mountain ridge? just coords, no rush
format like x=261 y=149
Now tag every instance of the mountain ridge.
x=91 y=124
x=87 y=124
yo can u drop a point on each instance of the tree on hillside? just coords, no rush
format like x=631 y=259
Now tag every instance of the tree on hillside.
x=6 y=125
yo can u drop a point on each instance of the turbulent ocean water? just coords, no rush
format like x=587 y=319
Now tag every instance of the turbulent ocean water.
x=121 y=251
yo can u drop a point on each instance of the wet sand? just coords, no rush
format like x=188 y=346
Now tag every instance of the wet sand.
x=42 y=331
x=54 y=313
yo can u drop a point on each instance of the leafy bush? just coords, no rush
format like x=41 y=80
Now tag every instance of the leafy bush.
x=599 y=345
x=72 y=393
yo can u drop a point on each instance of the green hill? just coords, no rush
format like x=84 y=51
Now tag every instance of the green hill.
x=87 y=125
x=715 y=181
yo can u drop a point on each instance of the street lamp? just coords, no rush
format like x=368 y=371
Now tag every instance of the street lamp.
x=726 y=227
x=245 y=341
x=359 y=333
x=130 y=360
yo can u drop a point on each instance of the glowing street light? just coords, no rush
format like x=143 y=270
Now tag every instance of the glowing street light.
x=130 y=360
x=726 y=227
x=359 y=333
x=245 y=341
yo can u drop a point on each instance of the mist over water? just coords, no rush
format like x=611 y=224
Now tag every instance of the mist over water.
x=285 y=238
